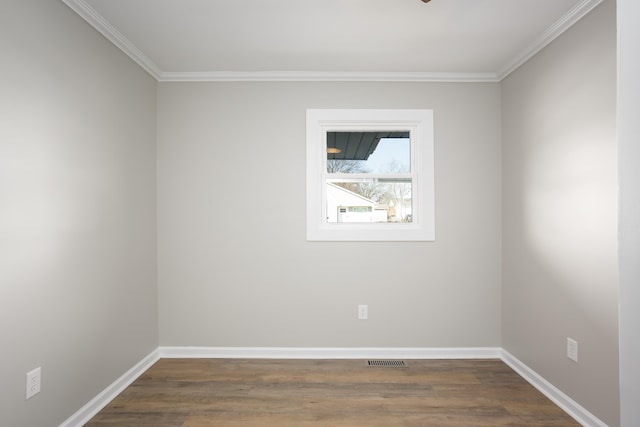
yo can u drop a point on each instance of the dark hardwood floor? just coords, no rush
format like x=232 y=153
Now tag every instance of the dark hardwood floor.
x=249 y=392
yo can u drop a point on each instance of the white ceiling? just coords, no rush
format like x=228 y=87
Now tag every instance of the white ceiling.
x=444 y=40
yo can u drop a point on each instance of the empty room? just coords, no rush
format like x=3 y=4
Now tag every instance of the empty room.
x=409 y=211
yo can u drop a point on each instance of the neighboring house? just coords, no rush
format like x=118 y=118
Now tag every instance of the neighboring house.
x=346 y=206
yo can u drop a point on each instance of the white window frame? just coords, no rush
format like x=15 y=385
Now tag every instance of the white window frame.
x=419 y=123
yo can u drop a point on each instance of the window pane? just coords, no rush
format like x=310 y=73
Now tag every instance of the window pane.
x=368 y=152
x=369 y=200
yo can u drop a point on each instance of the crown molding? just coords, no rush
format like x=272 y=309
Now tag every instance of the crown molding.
x=112 y=34
x=550 y=34
x=324 y=76
x=103 y=26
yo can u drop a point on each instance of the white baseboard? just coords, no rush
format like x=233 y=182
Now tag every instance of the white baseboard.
x=329 y=353
x=569 y=405
x=88 y=411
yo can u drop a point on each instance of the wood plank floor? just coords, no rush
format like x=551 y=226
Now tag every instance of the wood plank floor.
x=341 y=393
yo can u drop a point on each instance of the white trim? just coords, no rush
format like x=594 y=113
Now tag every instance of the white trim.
x=328 y=76
x=103 y=26
x=571 y=407
x=95 y=405
x=420 y=124
x=329 y=353
x=550 y=34
x=567 y=404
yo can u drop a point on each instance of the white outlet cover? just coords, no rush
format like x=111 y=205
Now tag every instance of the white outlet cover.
x=363 y=312
x=572 y=349
x=33 y=382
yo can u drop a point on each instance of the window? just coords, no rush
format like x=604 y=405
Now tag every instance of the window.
x=370 y=175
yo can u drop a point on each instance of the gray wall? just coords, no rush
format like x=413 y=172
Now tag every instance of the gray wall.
x=77 y=212
x=234 y=266
x=560 y=213
x=78 y=209
x=629 y=159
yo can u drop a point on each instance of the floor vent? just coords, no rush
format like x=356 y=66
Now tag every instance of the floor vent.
x=393 y=363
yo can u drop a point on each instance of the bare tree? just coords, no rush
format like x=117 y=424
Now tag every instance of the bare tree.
x=346 y=166
x=365 y=189
x=381 y=193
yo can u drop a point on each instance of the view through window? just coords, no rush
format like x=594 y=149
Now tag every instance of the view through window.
x=368 y=177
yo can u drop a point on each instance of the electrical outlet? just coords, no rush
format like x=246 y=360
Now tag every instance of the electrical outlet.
x=33 y=382
x=363 y=312
x=572 y=349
